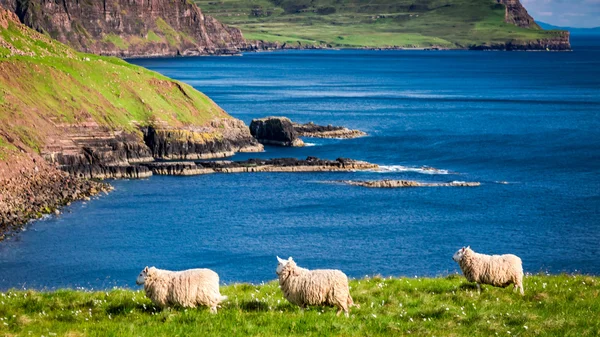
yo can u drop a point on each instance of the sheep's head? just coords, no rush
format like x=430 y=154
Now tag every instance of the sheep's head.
x=285 y=266
x=141 y=279
x=461 y=253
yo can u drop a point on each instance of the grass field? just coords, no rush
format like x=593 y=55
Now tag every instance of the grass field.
x=559 y=305
x=382 y=23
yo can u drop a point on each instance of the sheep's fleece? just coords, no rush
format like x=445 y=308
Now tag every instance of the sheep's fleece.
x=187 y=288
x=305 y=287
x=495 y=270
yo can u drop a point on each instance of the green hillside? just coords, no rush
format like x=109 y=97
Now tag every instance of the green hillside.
x=381 y=23
x=45 y=84
x=559 y=305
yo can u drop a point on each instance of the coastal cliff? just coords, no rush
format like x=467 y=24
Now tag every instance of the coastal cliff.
x=66 y=117
x=387 y=24
x=129 y=28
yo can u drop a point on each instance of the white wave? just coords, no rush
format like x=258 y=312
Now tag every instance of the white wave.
x=421 y=169
x=310 y=144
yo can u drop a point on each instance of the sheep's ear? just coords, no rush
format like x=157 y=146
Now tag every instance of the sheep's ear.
x=468 y=247
x=146 y=269
x=290 y=259
x=280 y=260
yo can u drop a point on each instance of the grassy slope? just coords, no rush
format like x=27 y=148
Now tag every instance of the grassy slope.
x=44 y=83
x=358 y=23
x=552 y=306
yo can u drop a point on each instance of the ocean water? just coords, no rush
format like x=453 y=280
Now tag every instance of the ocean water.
x=525 y=125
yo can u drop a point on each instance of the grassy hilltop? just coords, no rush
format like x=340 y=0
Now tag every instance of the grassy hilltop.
x=381 y=23
x=45 y=84
x=559 y=305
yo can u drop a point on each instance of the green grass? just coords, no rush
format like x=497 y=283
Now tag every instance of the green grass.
x=168 y=32
x=560 y=305
x=365 y=23
x=44 y=83
x=116 y=40
x=152 y=37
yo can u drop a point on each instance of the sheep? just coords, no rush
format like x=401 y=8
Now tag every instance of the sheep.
x=187 y=288
x=305 y=287
x=495 y=270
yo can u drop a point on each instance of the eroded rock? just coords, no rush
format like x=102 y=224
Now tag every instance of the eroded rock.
x=277 y=131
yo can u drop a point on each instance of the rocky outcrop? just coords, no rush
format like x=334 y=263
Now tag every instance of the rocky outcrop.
x=130 y=28
x=281 y=131
x=93 y=151
x=319 y=131
x=517 y=14
x=406 y=183
x=29 y=187
x=559 y=42
x=277 y=131
x=221 y=138
x=310 y=164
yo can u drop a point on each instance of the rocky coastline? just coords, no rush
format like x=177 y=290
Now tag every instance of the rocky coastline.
x=386 y=183
x=36 y=189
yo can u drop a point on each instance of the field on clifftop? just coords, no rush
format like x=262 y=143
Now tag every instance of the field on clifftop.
x=383 y=23
x=559 y=305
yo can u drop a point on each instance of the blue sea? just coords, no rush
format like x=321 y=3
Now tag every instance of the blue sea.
x=525 y=125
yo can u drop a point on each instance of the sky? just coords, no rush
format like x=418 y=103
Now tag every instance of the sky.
x=569 y=13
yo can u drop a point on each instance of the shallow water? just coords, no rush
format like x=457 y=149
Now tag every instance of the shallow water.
x=526 y=125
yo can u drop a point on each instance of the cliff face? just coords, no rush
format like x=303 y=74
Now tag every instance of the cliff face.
x=518 y=15
x=129 y=28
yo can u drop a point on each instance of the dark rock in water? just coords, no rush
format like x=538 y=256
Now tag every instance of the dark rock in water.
x=320 y=131
x=387 y=183
x=108 y=172
x=177 y=168
x=310 y=164
x=275 y=131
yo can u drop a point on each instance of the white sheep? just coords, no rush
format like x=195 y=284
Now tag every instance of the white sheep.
x=495 y=270
x=187 y=288
x=304 y=287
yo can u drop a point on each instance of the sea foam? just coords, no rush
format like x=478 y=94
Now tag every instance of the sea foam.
x=401 y=168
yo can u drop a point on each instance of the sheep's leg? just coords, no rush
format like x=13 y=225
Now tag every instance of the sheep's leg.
x=478 y=288
x=521 y=288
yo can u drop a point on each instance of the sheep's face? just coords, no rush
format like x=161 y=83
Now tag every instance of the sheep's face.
x=282 y=264
x=459 y=254
x=141 y=279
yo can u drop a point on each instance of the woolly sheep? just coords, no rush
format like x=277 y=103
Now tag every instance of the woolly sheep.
x=304 y=287
x=495 y=270
x=187 y=288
